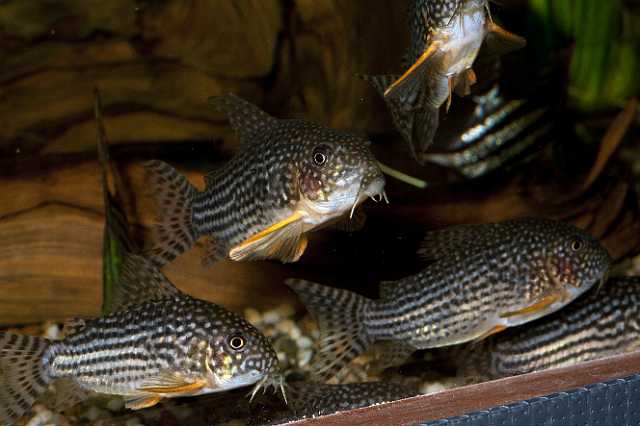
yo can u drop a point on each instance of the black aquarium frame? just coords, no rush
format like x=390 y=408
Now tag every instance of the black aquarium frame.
x=595 y=393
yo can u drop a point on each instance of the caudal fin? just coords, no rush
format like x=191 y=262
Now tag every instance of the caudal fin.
x=174 y=198
x=23 y=377
x=416 y=121
x=340 y=317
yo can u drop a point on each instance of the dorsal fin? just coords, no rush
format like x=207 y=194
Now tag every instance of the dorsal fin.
x=387 y=289
x=249 y=122
x=140 y=281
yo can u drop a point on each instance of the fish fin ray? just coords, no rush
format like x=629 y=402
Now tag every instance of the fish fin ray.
x=174 y=196
x=72 y=326
x=417 y=126
x=458 y=238
x=500 y=41
x=68 y=393
x=282 y=240
x=534 y=308
x=140 y=281
x=391 y=353
x=410 y=83
x=23 y=378
x=494 y=330
x=170 y=383
x=387 y=289
x=139 y=402
x=248 y=121
x=340 y=316
x=464 y=81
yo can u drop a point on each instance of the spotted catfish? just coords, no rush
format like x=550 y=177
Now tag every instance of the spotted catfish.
x=156 y=343
x=484 y=279
x=289 y=177
x=446 y=36
x=602 y=323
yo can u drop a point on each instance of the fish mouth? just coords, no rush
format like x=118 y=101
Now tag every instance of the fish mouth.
x=277 y=381
x=374 y=190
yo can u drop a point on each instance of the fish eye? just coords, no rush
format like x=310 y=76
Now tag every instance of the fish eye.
x=236 y=342
x=320 y=155
x=577 y=244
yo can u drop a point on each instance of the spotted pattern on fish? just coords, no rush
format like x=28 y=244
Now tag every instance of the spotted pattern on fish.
x=283 y=168
x=116 y=354
x=602 y=323
x=485 y=278
x=159 y=343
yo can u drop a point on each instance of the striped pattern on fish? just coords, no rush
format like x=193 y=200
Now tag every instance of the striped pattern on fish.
x=289 y=177
x=160 y=343
x=484 y=279
x=604 y=322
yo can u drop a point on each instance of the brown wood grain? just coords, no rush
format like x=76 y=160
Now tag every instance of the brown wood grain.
x=467 y=399
x=51 y=228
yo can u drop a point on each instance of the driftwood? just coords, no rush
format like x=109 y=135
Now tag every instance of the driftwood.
x=156 y=63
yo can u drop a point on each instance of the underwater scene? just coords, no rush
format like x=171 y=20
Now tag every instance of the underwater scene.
x=255 y=212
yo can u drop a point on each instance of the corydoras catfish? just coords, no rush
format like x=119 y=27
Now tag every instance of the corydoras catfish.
x=156 y=343
x=289 y=177
x=485 y=279
x=446 y=36
x=602 y=323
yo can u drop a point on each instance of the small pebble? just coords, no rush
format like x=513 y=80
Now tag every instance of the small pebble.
x=271 y=317
x=253 y=316
x=304 y=342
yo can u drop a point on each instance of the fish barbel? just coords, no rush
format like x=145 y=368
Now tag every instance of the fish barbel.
x=289 y=177
x=156 y=343
x=485 y=278
x=446 y=36
x=604 y=322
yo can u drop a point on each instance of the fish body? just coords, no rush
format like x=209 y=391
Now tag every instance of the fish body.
x=484 y=279
x=446 y=36
x=310 y=399
x=289 y=177
x=156 y=343
x=602 y=323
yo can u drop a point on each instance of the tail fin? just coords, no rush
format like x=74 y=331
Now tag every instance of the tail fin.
x=340 y=317
x=416 y=125
x=174 y=198
x=23 y=377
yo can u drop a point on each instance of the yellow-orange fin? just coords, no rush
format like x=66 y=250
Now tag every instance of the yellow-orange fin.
x=540 y=305
x=451 y=85
x=282 y=240
x=496 y=329
x=413 y=74
x=171 y=383
x=140 y=402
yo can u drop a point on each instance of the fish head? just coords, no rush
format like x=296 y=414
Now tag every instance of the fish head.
x=240 y=357
x=576 y=261
x=335 y=171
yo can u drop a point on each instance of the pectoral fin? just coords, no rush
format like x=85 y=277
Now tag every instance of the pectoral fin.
x=140 y=402
x=494 y=330
x=411 y=79
x=539 y=306
x=464 y=81
x=283 y=240
x=500 y=41
x=171 y=383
